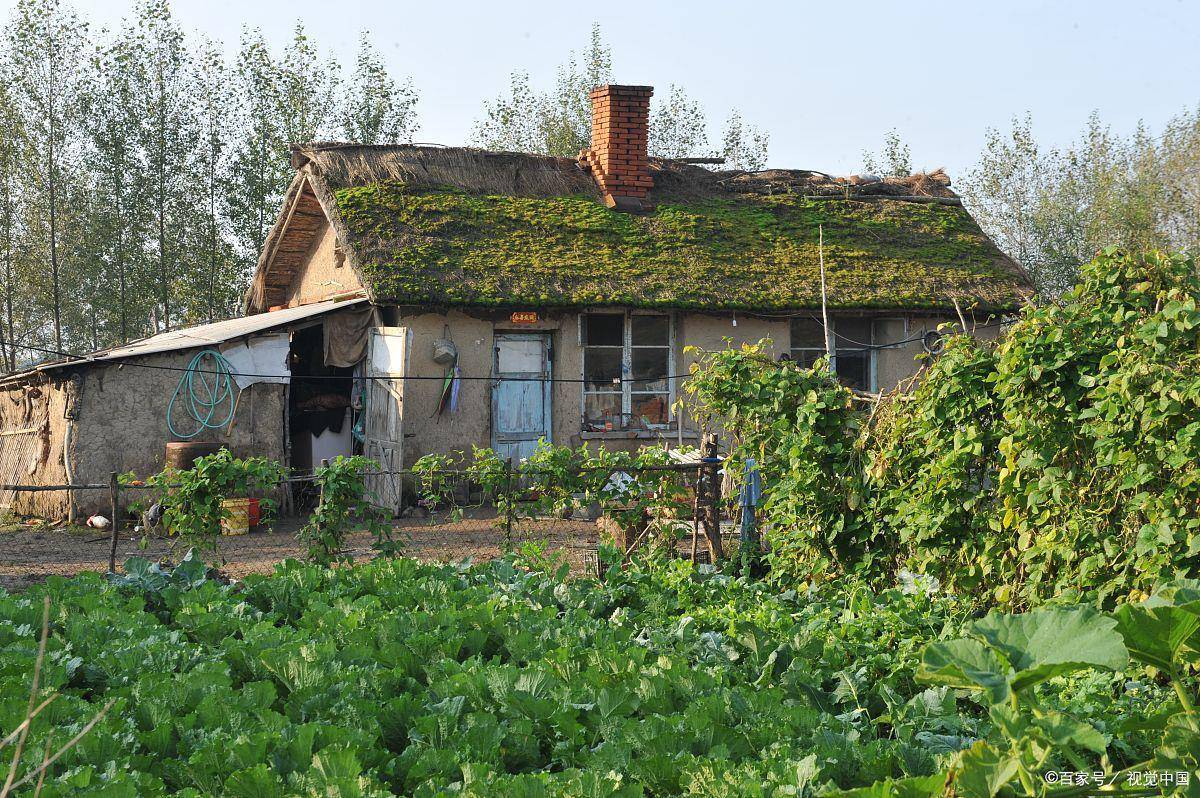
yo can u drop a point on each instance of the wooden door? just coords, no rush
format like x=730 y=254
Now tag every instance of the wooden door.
x=383 y=431
x=521 y=394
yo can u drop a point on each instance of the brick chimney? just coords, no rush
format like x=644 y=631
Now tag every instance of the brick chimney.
x=617 y=157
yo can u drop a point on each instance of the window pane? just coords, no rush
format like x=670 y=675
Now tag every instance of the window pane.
x=651 y=408
x=852 y=333
x=807 y=332
x=649 y=370
x=601 y=411
x=807 y=357
x=651 y=330
x=600 y=367
x=604 y=329
x=854 y=369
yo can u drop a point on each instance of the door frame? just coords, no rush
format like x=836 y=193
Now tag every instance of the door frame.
x=547 y=387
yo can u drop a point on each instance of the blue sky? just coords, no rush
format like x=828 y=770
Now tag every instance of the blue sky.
x=825 y=79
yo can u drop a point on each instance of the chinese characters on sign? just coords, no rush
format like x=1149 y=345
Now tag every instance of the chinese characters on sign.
x=523 y=317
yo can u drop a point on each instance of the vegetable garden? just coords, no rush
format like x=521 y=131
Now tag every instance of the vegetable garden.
x=984 y=586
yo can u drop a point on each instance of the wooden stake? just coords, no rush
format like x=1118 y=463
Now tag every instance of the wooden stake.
x=961 y=318
x=114 y=500
x=712 y=529
x=696 y=514
x=829 y=348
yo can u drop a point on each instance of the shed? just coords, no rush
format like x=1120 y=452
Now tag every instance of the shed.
x=75 y=421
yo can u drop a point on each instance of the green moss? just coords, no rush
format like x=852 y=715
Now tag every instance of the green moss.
x=449 y=247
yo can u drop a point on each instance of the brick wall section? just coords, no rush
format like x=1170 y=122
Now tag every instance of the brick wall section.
x=617 y=157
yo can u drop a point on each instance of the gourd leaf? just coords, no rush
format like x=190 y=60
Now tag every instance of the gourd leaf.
x=1045 y=643
x=1066 y=732
x=965 y=664
x=982 y=771
x=1156 y=635
x=1176 y=594
x=1157 y=630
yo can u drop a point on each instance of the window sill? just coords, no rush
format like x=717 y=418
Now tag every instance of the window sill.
x=638 y=434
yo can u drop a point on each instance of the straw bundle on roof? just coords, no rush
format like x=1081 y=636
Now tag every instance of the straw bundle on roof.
x=472 y=170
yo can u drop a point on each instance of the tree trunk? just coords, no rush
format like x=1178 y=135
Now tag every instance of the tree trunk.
x=52 y=188
x=212 y=228
x=7 y=321
x=162 y=202
x=120 y=253
x=8 y=367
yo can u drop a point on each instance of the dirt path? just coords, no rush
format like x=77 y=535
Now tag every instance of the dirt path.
x=30 y=554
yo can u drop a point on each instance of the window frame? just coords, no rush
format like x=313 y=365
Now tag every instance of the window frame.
x=628 y=390
x=870 y=348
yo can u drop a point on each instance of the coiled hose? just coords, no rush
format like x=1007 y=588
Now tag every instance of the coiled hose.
x=206 y=385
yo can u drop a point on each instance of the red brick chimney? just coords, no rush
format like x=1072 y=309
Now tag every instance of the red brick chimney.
x=617 y=157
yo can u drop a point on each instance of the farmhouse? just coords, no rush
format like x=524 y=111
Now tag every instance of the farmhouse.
x=415 y=299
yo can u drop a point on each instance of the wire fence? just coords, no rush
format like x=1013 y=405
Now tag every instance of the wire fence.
x=673 y=508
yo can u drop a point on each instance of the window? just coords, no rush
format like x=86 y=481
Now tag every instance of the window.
x=627 y=360
x=853 y=352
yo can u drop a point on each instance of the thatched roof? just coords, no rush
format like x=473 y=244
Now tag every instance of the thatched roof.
x=457 y=226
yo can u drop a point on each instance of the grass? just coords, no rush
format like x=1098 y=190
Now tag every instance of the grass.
x=447 y=246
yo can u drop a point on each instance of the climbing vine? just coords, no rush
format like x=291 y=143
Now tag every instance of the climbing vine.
x=800 y=426
x=1063 y=461
x=632 y=488
x=193 y=499
x=345 y=505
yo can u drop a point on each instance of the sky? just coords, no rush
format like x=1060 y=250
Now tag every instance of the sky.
x=827 y=80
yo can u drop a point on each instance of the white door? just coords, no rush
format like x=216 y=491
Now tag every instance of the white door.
x=387 y=363
x=520 y=394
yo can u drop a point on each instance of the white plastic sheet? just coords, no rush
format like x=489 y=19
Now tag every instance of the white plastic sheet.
x=260 y=358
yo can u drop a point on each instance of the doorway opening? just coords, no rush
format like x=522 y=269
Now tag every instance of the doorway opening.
x=321 y=410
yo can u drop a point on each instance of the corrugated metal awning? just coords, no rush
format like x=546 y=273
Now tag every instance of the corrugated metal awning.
x=202 y=335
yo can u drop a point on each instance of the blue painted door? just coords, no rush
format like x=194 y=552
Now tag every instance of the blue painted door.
x=520 y=393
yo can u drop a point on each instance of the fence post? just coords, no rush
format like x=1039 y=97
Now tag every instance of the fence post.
x=321 y=485
x=114 y=500
x=712 y=514
x=508 y=503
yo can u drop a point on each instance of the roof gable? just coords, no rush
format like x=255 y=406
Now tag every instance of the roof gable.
x=288 y=244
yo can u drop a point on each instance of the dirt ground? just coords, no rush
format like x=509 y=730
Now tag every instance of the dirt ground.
x=30 y=553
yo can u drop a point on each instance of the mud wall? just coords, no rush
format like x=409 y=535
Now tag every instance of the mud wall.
x=33 y=427
x=123 y=418
x=323 y=274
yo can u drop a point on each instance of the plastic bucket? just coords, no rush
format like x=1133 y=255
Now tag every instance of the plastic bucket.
x=237 y=519
x=255 y=513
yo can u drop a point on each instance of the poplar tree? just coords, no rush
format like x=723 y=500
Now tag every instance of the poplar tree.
x=255 y=170
x=168 y=138
x=677 y=126
x=556 y=122
x=117 y=171
x=139 y=172
x=559 y=121
x=46 y=45
x=376 y=108
x=9 y=136
x=210 y=172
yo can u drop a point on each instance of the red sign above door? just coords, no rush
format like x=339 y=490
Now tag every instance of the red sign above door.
x=524 y=317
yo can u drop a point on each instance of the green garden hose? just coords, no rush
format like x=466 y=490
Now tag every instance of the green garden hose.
x=204 y=388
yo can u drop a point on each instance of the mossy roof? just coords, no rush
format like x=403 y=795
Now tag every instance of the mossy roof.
x=418 y=240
